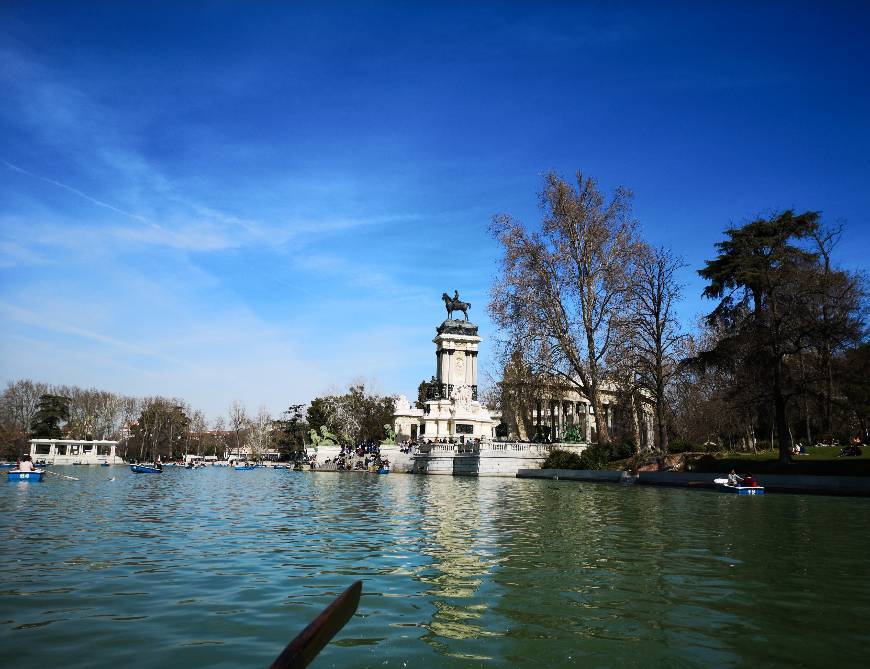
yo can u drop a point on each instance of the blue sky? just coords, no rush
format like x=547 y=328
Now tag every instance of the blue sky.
x=263 y=202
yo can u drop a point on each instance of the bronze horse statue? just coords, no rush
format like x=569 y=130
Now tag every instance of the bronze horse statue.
x=455 y=304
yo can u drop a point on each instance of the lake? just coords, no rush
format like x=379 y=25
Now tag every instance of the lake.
x=221 y=568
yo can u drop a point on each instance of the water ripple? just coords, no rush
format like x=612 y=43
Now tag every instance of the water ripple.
x=222 y=568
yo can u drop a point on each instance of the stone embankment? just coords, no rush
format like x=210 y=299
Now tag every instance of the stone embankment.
x=820 y=485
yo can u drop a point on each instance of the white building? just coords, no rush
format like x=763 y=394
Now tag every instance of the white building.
x=74 y=452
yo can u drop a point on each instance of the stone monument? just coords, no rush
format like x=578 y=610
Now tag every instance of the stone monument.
x=452 y=410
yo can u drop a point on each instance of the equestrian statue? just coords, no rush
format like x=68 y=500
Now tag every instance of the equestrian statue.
x=455 y=304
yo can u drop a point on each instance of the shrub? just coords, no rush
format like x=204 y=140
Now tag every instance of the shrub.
x=680 y=445
x=562 y=459
x=622 y=450
x=595 y=457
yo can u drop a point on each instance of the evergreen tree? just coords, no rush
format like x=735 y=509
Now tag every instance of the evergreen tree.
x=50 y=413
x=290 y=433
x=773 y=307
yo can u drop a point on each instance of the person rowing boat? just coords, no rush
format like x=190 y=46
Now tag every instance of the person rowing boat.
x=26 y=465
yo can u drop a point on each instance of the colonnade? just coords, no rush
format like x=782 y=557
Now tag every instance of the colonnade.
x=447 y=367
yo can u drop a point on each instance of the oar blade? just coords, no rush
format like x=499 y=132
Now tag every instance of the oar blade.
x=313 y=638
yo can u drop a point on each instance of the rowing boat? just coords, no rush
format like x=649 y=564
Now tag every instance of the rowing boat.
x=15 y=475
x=724 y=486
x=144 y=469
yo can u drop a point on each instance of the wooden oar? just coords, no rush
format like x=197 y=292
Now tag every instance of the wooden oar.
x=313 y=638
x=63 y=476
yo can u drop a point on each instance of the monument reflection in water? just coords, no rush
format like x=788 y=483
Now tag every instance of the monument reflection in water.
x=219 y=568
x=460 y=540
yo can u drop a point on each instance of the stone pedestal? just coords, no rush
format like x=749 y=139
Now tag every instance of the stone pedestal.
x=451 y=412
x=452 y=407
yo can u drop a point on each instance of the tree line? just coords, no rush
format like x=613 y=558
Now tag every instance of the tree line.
x=584 y=303
x=170 y=427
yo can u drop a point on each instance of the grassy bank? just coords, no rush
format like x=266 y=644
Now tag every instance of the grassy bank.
x=821 y=461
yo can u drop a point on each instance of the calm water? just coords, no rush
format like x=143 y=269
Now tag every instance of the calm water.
x=223 y=568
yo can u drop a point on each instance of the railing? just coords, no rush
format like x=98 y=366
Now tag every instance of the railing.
x=489 y=446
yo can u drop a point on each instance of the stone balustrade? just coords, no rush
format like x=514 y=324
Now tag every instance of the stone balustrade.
x=487 y=458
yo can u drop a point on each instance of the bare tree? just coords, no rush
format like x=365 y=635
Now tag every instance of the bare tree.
x=20 y=401
x=197 y=430
x=238 y=424
x=657 y=341
x=94 y=414
x=564 y=290
x=18 y=405
x=221 y=438
x=261 y=433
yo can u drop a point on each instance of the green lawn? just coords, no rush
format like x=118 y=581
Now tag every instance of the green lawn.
x=821 y=453
x=824 y=460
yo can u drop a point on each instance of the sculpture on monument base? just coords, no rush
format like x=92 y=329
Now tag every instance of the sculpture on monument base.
x=462 y=397
x=391 y=436
x=572 y=435
x=455 y=304
x=325 y=438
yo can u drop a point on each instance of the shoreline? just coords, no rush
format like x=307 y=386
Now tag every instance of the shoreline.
x=839 y=486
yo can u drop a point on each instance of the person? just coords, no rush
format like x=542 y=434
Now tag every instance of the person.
x=750 y=481
x=733 y=479
x=26 y=465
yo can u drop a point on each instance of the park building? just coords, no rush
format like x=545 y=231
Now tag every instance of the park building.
x=74 y=452
x=558 y=413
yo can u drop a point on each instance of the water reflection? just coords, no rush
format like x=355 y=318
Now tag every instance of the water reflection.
x=458 y=537
x=217 y=567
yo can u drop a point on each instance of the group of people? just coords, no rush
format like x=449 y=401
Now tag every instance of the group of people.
x=359 y=458
x=853 y=449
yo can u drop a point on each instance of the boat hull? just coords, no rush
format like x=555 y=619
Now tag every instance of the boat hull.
x=243 y=468
x=742 y=489
x=28 y=477
x=144 y=469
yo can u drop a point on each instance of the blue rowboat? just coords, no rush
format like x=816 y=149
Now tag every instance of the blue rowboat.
x=742 y=489
x=384 y=470
x=36 y=475
x=280 y=467
x=244 y=468
x=144 y=469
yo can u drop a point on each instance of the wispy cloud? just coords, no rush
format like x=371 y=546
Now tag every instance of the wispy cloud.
x=213 y=287
x=77 y=192
x=27 y=317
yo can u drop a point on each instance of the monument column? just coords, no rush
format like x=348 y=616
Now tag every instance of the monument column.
x=448 y=363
